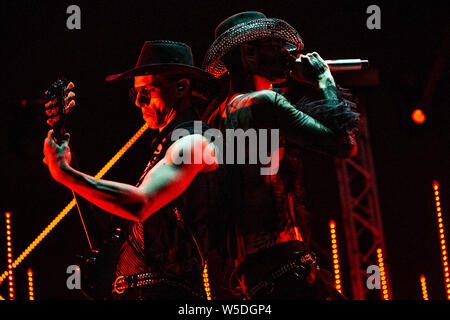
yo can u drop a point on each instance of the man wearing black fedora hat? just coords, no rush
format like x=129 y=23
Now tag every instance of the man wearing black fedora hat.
x=165 y=251
x=266 y=231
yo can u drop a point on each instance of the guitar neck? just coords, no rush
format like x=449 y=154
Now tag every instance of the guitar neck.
x=60 y=125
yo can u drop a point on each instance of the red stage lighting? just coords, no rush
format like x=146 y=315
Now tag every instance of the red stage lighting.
x=418 y=116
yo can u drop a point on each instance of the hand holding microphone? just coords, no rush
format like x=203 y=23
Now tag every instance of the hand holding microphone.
x=310 y=68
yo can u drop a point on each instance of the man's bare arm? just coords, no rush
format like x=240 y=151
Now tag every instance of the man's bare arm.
x=163 y=183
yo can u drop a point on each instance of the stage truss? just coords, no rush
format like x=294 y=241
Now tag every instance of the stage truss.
x=361 y=217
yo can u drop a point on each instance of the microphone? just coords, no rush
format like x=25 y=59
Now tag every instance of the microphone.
x=338 y=64
x=347 y=64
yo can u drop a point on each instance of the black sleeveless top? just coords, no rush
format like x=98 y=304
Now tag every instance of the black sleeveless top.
x=174 y=240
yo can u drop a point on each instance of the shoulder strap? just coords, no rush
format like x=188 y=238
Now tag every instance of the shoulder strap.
x=230 y=120
x=163 y=142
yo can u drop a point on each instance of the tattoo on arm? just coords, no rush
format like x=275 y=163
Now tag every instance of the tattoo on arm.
x=328 y=89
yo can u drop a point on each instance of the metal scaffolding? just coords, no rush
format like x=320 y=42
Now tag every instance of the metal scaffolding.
x=361 y=215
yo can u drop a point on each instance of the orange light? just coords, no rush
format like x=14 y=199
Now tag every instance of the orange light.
x=206 y=283
x=121 y=152
x=30 y=284
x=418 y=116
x=9 y=256
x=386 y=294
x=441 y=232
x=335 y=255
x=423 y=284
x=72 y=203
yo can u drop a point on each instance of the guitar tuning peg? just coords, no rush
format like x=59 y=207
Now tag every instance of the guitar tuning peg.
x=70 y=105
x=50 y=111
x=70 y=95
x=70 y=85
x=50 y=103
x=51 y=121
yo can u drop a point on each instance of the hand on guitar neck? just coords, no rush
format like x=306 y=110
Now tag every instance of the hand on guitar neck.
x=59 y=99
x=56 y=148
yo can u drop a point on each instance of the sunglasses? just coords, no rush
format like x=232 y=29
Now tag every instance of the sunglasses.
x=145 y=92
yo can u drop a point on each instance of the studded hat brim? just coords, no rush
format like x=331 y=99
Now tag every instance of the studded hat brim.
x=172 y=68
x=257 y=29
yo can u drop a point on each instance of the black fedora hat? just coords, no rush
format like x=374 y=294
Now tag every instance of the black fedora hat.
x=163 y=56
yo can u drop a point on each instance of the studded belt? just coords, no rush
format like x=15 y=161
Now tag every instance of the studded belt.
x=303 y=266
x=148 y=279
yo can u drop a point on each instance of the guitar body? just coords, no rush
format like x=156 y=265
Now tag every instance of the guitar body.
x=99 y=270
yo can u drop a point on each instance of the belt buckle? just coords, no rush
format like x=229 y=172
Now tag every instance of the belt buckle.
x=120 y=285
x=309 y=266
x=308 y=258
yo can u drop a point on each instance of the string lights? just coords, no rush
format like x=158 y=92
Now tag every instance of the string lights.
x=384 y=287
x=30 y=284
x=9 y=255
x=206 y=284
x=423 y=285
x=442 y=241
x=335 y=255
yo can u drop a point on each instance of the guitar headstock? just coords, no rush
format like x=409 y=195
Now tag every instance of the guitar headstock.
x=58 y=103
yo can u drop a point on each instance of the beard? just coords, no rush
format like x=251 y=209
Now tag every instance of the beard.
x=157 y=118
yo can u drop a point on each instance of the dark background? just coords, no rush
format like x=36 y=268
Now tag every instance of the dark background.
x=409 y=52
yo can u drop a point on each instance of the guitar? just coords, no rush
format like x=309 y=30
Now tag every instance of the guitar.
x=98 y=268
x=58 y=104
